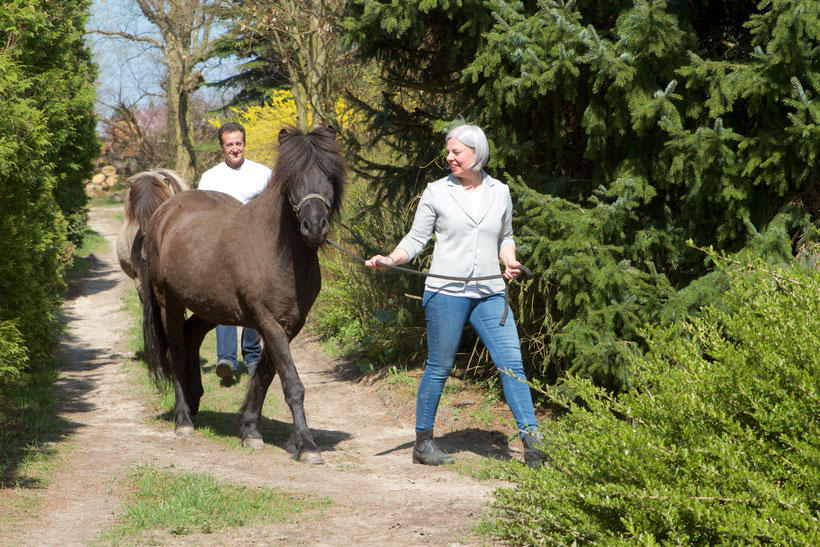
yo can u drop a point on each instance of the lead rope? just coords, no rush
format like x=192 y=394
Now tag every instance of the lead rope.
x=524 y=269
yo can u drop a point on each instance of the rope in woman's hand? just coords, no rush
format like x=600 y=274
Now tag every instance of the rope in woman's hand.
x=523 y=268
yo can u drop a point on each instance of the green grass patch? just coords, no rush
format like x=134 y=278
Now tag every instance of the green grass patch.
x=491 y=468
x=196 y=503
x=93 y=242
x=29 y=428
x=107 y=201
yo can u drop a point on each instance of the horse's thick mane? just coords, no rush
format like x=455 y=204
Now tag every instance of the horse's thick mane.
x=298 y=151
x=148 y=190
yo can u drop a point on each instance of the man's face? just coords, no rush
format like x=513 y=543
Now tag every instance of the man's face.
x=233 y=146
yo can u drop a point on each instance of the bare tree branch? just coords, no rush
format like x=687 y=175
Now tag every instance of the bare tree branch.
x=125 y=35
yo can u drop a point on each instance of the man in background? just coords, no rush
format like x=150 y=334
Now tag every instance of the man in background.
x=242 y=179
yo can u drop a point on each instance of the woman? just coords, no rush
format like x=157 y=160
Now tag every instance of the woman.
x=471 y=215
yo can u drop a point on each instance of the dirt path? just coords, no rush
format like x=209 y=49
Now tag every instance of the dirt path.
x=380 y=498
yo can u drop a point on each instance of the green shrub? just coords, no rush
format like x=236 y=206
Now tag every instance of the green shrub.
x=13 y=352
x=717 y=444
x=33 y=245
x=369 y=312
x=47 y=148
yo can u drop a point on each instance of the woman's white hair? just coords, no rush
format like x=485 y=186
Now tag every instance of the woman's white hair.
x=474 y=137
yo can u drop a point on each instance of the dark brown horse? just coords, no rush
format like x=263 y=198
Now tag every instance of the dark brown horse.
x=254 y=265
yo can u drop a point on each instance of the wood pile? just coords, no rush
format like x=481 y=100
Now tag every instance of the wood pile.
x=104 y=183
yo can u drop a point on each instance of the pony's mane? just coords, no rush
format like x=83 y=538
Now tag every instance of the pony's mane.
x=298 y=151
x=173 y=180
x=147 y=192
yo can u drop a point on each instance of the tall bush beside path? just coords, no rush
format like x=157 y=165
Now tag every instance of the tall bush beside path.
x=48 y=43
x=47 y=147
x=32 y=231
x=718 y=444
x=625 y=129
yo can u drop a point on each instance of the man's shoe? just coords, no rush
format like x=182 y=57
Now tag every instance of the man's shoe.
x=225 y=371
x=251 y=368
x=425 y=450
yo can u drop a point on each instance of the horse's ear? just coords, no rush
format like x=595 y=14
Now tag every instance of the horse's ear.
x=331 y=130
x=282 y=134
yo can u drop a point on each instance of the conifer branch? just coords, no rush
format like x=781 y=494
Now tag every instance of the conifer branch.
x=777 y=276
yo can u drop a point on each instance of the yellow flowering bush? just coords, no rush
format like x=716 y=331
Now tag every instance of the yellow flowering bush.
x=263 y=123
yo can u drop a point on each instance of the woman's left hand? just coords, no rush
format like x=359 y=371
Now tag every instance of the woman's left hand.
x=512 y=269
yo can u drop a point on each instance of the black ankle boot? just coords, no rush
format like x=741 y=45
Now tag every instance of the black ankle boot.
x=425 y=451
x=534 y=456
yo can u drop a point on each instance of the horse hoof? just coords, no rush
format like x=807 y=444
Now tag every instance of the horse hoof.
x=185 y=431
x=311 y=456
x=254 y=443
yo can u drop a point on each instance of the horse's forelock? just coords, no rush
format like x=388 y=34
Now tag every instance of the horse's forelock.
x=297 y=151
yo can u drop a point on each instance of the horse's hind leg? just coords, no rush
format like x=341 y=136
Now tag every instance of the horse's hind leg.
x=251 y=411
x=195 y=330
x=277 y=346
x=174 y=321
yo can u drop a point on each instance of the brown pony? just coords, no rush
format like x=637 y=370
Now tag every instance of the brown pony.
x=253 y=265
x=160 y=178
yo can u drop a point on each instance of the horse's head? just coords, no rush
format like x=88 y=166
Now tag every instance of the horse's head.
x=312 y=169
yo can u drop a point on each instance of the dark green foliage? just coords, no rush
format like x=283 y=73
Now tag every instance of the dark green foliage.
x=367 y=312
x=625 y=129
x=13 y=354
x=49 y=47
x=717 y=445
x=33 y=242
x=261 y=70
x=421 y=48
x=47 y=147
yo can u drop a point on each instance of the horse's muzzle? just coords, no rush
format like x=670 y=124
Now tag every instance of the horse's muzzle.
x=314 y=231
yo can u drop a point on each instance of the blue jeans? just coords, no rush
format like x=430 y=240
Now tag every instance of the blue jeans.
x=446 y=316
x=226 y=346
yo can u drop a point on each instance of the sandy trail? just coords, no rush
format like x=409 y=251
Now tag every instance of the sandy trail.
x=379 y=497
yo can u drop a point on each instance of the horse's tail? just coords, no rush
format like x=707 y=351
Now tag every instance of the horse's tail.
x=155 y=342
x=147 y=192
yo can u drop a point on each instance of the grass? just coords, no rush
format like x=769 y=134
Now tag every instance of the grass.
x=92 y=243
x=107 y=201
x=29 y=428
x=195 y=503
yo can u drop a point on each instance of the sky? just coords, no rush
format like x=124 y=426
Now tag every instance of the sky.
x=132 y=71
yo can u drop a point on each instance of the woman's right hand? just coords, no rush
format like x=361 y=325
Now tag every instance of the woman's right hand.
x=373 y=261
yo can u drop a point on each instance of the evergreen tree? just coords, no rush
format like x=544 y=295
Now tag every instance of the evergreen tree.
x=47 y=147
x=50 y=48
x=626 y=129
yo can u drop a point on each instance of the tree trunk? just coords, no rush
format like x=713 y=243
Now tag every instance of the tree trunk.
x=179 y=123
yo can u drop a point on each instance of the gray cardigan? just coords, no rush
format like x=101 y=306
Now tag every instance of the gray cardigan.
x=461 y=239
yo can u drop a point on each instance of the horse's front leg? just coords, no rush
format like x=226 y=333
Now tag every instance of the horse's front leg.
x=277 y=347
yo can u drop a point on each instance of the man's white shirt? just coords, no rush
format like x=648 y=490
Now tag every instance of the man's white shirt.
x=244 y=183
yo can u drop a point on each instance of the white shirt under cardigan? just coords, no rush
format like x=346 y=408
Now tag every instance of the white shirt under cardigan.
x=243 y=183
x=467 y=241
